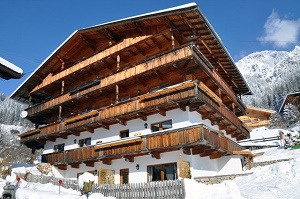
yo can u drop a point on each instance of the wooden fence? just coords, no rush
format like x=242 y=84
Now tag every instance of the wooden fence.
x=171 y=189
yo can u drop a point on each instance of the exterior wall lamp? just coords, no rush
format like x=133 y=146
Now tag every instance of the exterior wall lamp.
x=75 y=141
x=95 y=172
x=137 y=167
x=145 y=125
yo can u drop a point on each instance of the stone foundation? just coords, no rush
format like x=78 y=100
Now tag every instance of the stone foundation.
x=218 y=179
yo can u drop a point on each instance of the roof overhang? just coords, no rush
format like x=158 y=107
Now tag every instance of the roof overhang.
x=71 y=44
x=9 y=70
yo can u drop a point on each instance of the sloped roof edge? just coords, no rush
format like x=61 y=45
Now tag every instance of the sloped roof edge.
x=283 y=103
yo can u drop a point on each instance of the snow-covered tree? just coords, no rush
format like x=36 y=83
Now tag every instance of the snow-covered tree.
x=277 y=121
x=291 y=114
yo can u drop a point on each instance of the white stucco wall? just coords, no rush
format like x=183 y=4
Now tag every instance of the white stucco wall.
x=200 y=166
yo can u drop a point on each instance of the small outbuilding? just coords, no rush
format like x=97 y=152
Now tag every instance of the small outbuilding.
x=9 y=70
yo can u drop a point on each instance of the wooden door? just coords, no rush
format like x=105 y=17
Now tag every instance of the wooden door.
x=124 y=176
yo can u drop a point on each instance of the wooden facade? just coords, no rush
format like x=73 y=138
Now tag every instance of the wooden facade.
x=134 y=68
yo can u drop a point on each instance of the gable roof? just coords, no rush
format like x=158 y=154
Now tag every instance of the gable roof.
x=9 y=70
x=186 y=20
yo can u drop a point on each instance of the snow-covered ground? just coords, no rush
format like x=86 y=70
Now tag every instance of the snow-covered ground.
x=279 y=180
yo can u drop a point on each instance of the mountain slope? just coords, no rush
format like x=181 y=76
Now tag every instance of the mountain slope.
x=270 y=75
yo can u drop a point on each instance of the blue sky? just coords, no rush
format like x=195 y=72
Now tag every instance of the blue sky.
x=31 y=30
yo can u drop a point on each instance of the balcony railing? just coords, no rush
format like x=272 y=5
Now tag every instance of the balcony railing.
x=72 y=156
x=158 y=142
x=180 y=53
x=142 y=106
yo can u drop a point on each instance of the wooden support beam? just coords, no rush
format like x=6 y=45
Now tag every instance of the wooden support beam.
x=216 y=155
x=62 y=166
x=111 y=35
x=104 y=125
x=121 y=121
x=52 y=139
x=106 y=161
x=186 y=150
x=140 y=50
x=138 y=27
x=129 y=158
x=90 y=163
x=181 y=106
x=223 y=126
x=90 y=43
x=89 y=129
x=161 y=111
x=76 y=133
x=195 y=106
x=155 y=155
x=75 y=165
x=158 y=44
x=143 y=117
x=64 y=136
x=233 y=135
x=199 y=149
x=206 y=152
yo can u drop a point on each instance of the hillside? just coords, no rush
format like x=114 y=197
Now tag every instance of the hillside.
x=10 y=112
x=270 y=75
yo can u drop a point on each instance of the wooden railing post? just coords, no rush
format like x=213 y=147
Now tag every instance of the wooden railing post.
x=201 y=132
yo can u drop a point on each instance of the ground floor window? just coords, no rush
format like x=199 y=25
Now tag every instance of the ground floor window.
x=124 y=176
x=162 y=172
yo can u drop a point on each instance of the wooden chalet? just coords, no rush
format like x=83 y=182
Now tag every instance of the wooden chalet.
x=256 y=117
x=146 y=98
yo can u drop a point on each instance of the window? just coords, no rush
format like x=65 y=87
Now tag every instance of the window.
x=124 y=99
x=158 y=88
x=84 y=142
x=59 y=148
x=161 y=125
x=124 y=176
x=162 y=172
x=124 y=134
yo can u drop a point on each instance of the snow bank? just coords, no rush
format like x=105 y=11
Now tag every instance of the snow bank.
x=85 y=177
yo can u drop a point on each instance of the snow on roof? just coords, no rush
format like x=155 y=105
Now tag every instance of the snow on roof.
x=11 y=66
x=147 y=14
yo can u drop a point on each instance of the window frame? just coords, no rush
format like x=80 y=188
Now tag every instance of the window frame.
x=57 y=147
x=84 y=142
x=124 y=131
x=162 y=171
x=160 y=127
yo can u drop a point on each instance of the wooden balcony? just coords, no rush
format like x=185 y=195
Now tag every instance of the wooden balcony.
x=185 y=94
x=197 y=139
x=74 y=157
x=185 y=52
x=181 y=53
